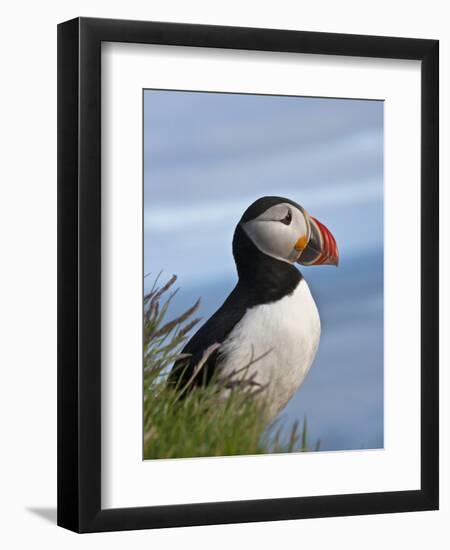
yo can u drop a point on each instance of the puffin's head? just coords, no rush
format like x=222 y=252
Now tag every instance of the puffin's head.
x=282 y=229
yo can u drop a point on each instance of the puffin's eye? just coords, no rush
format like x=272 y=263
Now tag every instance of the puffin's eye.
x=287 y=219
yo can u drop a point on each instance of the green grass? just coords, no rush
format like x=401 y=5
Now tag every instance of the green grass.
x=180 y=423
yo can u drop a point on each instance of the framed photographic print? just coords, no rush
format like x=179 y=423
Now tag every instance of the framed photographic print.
x=248 y=274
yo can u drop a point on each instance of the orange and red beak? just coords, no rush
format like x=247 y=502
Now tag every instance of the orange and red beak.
x=321 y=248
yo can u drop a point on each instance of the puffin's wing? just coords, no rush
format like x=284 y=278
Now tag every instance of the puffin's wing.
x=215 y=330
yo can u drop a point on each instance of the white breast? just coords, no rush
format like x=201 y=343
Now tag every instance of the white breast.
x=281 y=338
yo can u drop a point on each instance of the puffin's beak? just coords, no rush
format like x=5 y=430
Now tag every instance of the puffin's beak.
x=321 y=248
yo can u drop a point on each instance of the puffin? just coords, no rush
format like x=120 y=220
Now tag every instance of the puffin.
x=268 y=328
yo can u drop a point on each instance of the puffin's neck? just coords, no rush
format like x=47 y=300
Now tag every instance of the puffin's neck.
x=263 y=278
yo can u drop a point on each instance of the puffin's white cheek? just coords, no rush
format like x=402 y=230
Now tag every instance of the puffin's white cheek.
x=279 y=241
x=273 y=238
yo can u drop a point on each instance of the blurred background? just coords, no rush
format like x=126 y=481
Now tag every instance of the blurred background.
x=207 y=156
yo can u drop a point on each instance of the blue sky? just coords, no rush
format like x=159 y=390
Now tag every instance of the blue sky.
x=207 y=156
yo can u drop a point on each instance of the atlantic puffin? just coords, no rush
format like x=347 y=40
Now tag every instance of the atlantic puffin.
x=269 y=322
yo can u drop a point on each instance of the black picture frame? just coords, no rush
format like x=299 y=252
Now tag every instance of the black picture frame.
x=79 y=274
